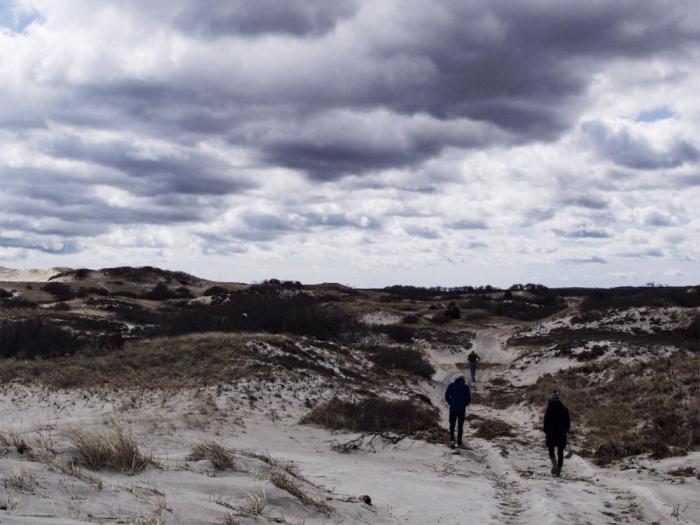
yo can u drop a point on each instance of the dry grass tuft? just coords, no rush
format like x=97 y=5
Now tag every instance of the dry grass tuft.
x=22 y=479
x=284 y=481
x=221 y=457
x=115 y=448
x=256 y=504
x=230 y=519
x=70 y=468
x=8 y=502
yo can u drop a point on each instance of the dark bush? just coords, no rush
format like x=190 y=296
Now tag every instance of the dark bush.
x=594 y=353
x=60 y=291
x=17 y=302
x=215 y=290
x=160 y=292
x=398 y=333
x=87 y=291
x=439 y=319
x=61 y=307
x=374 y=415
x=184 y=292
x=410 y=319
x=452 y=311
x=405 y=359
x=31 y=338
x=4 y=294
x=125 y=293
x=299 y=314
x=638 y=297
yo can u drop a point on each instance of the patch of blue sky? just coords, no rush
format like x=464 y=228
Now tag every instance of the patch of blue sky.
x=15 y=18
x=652 y=115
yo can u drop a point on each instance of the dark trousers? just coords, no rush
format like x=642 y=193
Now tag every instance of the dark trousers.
x=472 y=369
x=457 y=417
x=560 y=454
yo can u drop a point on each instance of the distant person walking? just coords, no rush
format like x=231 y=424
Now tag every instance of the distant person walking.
x=556 y=426
x=473 y=361
x=458 y=397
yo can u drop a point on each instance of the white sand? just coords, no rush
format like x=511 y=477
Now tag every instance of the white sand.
x=412 y=482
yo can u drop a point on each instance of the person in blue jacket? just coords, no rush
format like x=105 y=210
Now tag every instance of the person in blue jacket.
x=458 y=397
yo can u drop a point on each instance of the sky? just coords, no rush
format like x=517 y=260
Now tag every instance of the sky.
x=366 y=142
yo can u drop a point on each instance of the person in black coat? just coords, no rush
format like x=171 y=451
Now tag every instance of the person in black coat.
x=556 y=425
x=458 y=397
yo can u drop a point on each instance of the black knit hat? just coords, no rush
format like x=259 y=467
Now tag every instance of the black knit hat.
x=555 y=395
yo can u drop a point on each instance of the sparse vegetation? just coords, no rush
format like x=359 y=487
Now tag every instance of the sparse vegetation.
x=285 y=481
x=70 y=468
x=630 y=409
x=21 y=479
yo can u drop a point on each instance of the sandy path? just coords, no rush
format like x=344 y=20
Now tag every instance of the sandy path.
x=519 y=474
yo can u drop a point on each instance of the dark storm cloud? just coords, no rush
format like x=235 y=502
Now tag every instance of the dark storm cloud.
x=594 y=202
x=260 y=17
x=193 y=173
x=469 y=224
x=332 y=89
x=265 y=226
x=635 y=152
x=424 y=232
x=51 y=247
x=519 y=67
x=651 y=252
x=687 y=181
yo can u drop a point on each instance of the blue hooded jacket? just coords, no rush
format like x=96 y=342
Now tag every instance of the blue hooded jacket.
x=458 y=396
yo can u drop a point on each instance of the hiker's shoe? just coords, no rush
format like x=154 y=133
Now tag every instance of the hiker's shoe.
x=452 y=444
x=558 y=471
x=555 y=467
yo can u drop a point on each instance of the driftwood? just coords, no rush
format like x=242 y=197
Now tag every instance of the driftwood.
x=366 y=442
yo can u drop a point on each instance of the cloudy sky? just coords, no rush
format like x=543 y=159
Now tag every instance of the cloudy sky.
x=368 y=142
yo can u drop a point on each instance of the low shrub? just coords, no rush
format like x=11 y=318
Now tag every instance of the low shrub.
x=440 y=319
x=375 y=414
x=406 y=359
x=161 y=292
x=18 y=302
x=491 y=428
x=61 y=291
x=4 y=294
x=398 y=333
x=215 y=290
x=452 y=311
